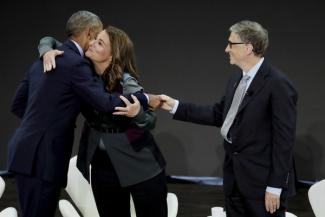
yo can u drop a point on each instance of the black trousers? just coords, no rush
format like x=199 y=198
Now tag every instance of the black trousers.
x=150 y=196
x=239 y=206
x=37 y=198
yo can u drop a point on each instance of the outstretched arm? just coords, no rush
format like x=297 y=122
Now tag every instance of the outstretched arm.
x=190 y=112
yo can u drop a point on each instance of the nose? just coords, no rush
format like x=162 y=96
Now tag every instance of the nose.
x=92 y=42
x=227 y=48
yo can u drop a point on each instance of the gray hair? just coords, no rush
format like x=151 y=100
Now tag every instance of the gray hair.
x=81 y=20
x=253 y=33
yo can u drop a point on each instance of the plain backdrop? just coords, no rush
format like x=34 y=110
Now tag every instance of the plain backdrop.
x=180 y=52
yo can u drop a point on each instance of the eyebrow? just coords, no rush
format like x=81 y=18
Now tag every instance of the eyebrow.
x=102 y=41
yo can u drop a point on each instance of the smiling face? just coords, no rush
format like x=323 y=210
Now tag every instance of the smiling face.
x=100 y=52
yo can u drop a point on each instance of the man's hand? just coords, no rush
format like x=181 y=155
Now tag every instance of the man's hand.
x=49 y=59
x=154 y=101
x=167 y=102
x=272 y=202
x=131 y=109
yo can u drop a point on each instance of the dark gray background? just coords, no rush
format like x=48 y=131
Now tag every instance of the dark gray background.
x=180 y=52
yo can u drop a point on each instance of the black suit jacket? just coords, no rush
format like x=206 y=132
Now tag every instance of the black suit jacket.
x=48 y=105
x=263 y=132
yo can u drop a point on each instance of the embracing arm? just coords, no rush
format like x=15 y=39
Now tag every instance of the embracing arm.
x=46 y=44
x=87 y=87
x=47 y=50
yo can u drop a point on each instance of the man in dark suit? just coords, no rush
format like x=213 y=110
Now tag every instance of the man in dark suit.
x=257 y=117
x=48 y=105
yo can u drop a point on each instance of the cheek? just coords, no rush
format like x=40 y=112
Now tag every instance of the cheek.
x=88 y=53
x=103 y=55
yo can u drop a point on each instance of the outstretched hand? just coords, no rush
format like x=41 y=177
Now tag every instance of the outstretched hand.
x=131 y=109
x=168 y=103
x=49 y=59
x=154 y=102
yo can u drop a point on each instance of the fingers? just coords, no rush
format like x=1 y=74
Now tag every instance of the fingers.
x=122 y=109
x=164 y=97
x=52 y=60
x=59 y=52
x=135 y=99
x=47 y=63
x=272 y=202
x=165 y=106
x=119 y=113
x=125 y=100
x=49 y=59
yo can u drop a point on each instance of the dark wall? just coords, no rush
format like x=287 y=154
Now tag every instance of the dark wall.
x=180 y=52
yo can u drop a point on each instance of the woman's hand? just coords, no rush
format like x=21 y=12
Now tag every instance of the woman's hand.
x=49 y=59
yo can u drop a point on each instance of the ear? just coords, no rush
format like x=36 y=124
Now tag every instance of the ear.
x=249 y=48
x=88 y=33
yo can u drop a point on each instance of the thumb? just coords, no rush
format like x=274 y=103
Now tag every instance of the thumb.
x=59 y=52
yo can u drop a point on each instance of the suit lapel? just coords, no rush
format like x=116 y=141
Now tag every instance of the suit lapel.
x=256 y=85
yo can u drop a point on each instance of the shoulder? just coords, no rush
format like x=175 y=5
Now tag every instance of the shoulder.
x=279 y=80
x=130 y=84
x=71 y=59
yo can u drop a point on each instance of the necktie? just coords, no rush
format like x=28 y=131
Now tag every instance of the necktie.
x=238 y=96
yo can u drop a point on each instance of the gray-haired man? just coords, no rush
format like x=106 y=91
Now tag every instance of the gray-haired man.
x=257 y=117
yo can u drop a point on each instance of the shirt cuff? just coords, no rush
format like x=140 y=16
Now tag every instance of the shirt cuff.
x=272 y=190
x=147 y=97
x=173 y=111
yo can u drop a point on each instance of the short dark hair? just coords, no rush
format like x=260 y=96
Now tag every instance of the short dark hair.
x=81 y=20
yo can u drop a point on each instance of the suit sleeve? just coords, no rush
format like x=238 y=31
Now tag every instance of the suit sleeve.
x=46 y=44
x=284 y=114
x=200 y=114
x=19 y=102
x=87 y=87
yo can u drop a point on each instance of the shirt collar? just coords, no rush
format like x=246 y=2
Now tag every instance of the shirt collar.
x=79 y=48
x=252 y=72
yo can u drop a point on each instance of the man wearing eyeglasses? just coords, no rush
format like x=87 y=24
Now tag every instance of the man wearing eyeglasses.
x=257 y=117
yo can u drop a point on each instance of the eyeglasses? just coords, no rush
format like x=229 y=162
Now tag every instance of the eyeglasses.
x=234 y=43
